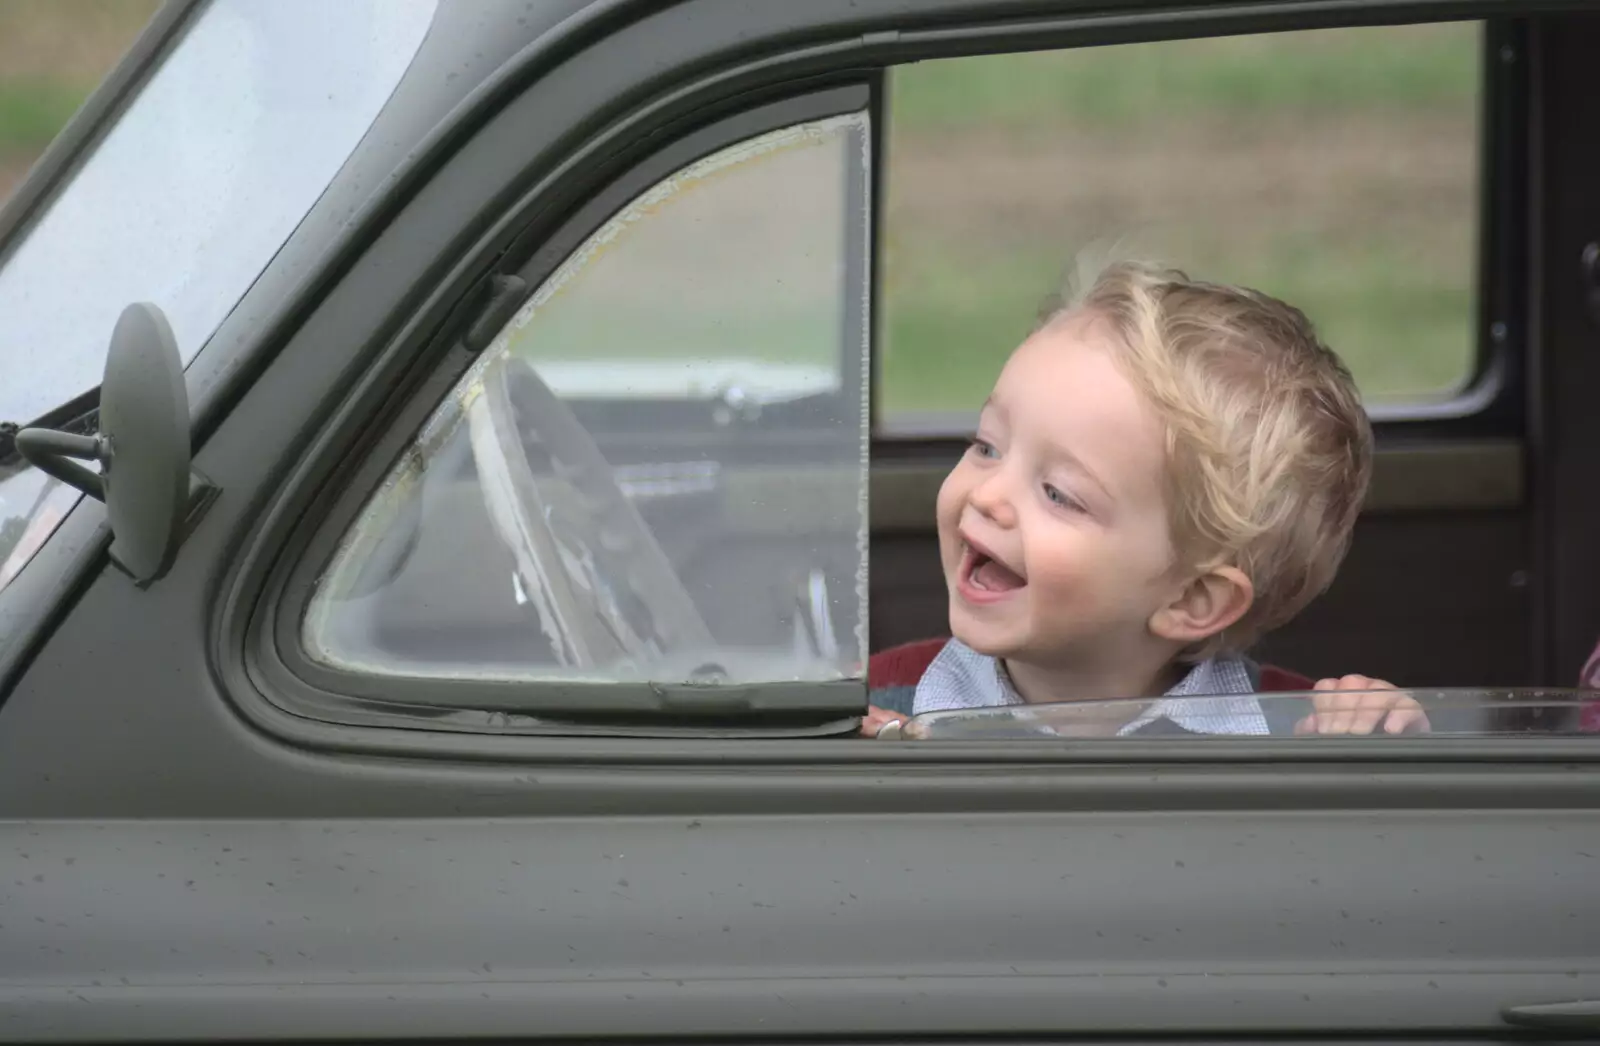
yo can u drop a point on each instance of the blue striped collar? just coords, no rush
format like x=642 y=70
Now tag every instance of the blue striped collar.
x=1213 y=697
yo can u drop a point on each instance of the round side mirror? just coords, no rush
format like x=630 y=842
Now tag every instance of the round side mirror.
x=144 y=416
x=142 y=446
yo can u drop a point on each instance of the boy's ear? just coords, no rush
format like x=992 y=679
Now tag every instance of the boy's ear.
x=1207 y=605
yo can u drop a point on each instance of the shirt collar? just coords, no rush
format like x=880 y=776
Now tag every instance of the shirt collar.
x=1214 y=697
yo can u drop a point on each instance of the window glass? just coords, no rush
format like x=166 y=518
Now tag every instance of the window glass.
x=1337 y=169
x=186 y=199
x=1377 y=714
x=656 y=472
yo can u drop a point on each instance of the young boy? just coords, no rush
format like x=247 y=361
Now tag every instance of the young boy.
x=1165 y=470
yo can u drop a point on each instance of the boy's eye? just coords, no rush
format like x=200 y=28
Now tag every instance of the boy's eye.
x=982 y=448
x=1064 y=500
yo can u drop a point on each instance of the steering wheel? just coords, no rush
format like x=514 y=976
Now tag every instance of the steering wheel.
x=605 y=592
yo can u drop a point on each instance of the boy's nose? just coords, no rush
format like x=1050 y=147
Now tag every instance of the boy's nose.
x=992 y=499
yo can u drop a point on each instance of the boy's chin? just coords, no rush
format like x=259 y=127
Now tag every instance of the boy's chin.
x=989 y=638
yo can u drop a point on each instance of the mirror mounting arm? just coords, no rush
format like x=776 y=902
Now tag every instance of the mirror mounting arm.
x=153 y=497
x=51 y=452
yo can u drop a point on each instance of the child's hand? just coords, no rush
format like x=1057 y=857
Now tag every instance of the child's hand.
x=1341 y=711
x=876 y=719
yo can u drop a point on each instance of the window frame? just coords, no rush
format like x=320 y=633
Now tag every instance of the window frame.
x=1491 y=403
x=302 y=686
x=340 y=429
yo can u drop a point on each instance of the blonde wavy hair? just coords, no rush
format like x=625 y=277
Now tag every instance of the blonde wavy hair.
x=1269 y=451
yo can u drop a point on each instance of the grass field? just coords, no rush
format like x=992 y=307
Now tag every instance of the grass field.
x=1337 y=169
x=52 y=54
x=1328 y=72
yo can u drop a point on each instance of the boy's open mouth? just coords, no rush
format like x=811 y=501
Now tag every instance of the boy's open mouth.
x=984 y=576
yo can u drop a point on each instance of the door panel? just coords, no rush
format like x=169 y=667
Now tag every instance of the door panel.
x=1223 y=921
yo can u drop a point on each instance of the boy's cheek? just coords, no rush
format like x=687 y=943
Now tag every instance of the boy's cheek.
x=947 y=518
x=1064 y=568
x=1092 y=585
x=951 y=494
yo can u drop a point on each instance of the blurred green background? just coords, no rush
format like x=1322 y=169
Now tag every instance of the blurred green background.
x=1337 y=169
x=52 y=54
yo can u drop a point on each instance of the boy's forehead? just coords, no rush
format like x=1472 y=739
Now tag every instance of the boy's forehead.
x=1065 y=388
x=1068 y=359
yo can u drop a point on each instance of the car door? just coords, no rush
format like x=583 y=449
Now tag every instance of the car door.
x=363 y=764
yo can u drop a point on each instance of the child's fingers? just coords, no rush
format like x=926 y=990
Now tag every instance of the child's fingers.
x=1407 y=718
x=1343 y=705
x=1357 y=705
x=1312 y=724
x=876 y=719
x=1369 y=715
x=1335 y=711
x=1353 y=682
x=1358 y=714
x=1333 y=708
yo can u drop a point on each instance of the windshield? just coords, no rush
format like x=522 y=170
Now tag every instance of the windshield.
x=1465 y=712
x=186 y=199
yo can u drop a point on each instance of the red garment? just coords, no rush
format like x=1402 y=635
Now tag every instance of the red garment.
x=902 y=665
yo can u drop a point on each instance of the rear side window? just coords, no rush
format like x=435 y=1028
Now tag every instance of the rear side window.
x=1337 y=169
x=656 y=473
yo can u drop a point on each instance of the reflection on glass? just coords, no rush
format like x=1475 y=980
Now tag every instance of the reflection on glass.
x=1320 y=714
x=192 y=191
x=31 y=506
x=657 y=470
